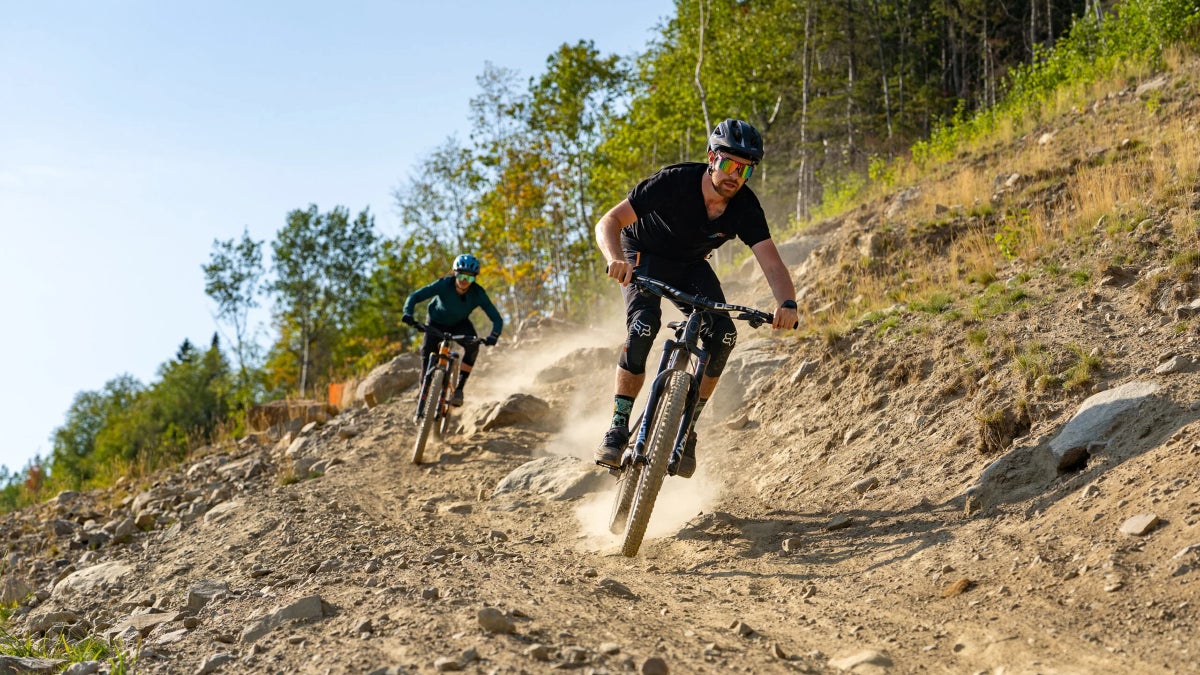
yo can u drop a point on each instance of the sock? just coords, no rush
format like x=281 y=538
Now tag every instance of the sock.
x=622 y=407
x=462 y=379
x=696 y=412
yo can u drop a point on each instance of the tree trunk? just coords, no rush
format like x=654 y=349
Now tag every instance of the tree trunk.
x=699 y=62
x=803 y=188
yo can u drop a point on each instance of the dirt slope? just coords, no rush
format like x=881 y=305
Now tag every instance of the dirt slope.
x=827 y=529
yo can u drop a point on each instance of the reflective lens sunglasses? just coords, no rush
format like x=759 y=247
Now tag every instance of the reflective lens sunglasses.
x=734 y=167
x=466 y=278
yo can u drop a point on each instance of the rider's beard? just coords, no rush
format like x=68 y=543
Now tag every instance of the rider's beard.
x=726 y=188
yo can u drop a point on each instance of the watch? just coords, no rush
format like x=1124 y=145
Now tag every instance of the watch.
x=788 y=304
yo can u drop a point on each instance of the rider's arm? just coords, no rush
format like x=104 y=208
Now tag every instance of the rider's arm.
x=608 y=236
x=780 y=280
x=419 y=295
x=489 y=308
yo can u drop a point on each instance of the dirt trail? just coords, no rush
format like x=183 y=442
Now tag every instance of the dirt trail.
x=836 y=522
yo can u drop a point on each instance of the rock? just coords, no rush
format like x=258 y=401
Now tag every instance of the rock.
x=839 y=522
x=867 y=661
x=560 y=477
x=28 y=664
x=222 y=511
x=142 y=623
x=538 y=652
x=1176 y=364
x=742 y=629
x=616 y=588
x=1140 y=525
x=446 y=664
x=13 y=590
x=516 y=410
x=84 y=668
x=791 y=545
x=201 y=593
x=390 y=379
x=91 y=580
x=655 y=666
x=309 y=607
x=214 y=662
x=494 y=621
x=865 y=485
x=1094 y=418
x=40 y=621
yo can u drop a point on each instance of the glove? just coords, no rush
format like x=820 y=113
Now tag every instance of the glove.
x=491 y=340
x=408 y=319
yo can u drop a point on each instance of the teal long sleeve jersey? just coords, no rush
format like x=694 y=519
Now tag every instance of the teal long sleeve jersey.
x=448 y=307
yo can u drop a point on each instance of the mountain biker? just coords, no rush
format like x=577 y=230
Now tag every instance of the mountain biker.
x=666 y=228
x=455 y=296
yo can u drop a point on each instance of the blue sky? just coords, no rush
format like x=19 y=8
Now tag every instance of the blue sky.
x=133 y=133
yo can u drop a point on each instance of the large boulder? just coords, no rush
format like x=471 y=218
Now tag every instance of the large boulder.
x=516 y=410
x=277 y=414
x=390 y=379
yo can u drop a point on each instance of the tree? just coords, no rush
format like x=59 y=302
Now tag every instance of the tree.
x=74 y=443
x=320 y=263
x=232 y=279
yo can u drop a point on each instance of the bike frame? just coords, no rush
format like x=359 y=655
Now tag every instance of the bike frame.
x=677 y=354
x=446 y=359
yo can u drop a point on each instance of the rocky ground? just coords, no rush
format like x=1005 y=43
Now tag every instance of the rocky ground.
x=896 y=497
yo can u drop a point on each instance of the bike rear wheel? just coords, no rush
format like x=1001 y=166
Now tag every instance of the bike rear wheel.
x=663 y=430
x=433 y=394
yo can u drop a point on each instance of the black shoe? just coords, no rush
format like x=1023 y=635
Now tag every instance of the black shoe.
x=456 y=399
x=687 y=460
x=612 y=447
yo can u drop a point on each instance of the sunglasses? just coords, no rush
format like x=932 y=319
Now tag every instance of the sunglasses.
x=734 y=167
x=466 y=278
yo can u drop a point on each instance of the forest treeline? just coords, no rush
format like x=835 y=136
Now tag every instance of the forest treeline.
x=842 y=91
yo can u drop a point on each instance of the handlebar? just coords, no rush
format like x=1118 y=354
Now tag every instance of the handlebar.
x=754 y=317
x=442 y=335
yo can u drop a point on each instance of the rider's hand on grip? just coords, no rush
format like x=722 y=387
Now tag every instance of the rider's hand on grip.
x=408 y=319
x=491 y=340
x=620 y=270
x=785 y=317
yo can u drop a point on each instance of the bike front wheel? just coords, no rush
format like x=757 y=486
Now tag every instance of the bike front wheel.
x=433 y=394
x=664 y=428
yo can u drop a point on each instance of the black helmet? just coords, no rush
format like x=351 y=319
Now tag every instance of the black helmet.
x=739 y=138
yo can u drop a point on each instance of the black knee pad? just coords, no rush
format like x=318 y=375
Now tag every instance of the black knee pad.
x=643 y=325
x=470 y=353
x=718 y=339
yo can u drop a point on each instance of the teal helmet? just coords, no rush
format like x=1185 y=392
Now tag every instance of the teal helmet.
x=467 y=264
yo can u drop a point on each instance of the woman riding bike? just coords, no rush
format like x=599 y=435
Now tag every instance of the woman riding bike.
x=454 y=297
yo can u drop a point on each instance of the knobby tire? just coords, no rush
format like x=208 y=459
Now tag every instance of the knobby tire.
x=627 y=484
x=433 y=394
x=663 y=430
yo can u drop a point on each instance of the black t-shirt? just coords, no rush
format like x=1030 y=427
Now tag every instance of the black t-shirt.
x=673 y=221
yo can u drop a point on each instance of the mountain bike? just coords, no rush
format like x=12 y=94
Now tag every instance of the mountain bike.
x=662 y=427
x=433 y=404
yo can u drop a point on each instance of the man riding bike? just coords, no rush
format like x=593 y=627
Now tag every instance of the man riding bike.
x=666 y=228
x=455 y=296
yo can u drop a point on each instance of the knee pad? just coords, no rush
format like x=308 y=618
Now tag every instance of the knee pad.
x=643 y=326
x=470 y=354
x=719 y=340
